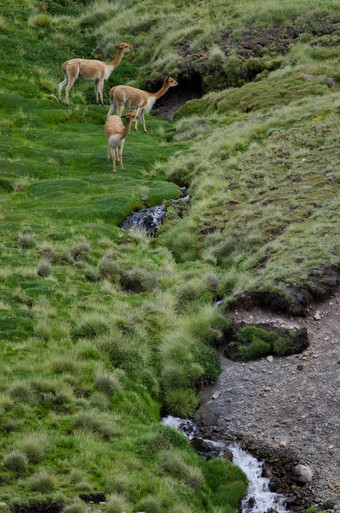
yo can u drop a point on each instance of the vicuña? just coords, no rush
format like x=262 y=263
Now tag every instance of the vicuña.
x=125 y=96
x=91 y=71
x=116 y=132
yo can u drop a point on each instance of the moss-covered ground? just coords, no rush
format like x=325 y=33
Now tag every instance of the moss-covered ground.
x=102 y=331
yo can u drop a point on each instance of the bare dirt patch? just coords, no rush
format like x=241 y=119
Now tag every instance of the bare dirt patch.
x=289 y=402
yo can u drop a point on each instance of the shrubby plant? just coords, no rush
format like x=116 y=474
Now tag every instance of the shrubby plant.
x=34 y=446
x=26 y=239
x=91 y=325
x=117 y=503
x=109 y=384
x=181 y=401
x=16 y=461
x=44 y=268
x=43 y=482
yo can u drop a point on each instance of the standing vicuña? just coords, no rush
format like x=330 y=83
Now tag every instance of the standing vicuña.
x=91 y=71
x=116 y=132
x=121 y=96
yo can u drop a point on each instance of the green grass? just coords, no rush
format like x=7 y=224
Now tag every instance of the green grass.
x=100 y=330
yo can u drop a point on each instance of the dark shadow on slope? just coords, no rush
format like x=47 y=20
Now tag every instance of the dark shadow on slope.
x=189 y=88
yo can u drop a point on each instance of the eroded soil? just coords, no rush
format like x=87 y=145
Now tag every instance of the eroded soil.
x=291 y=402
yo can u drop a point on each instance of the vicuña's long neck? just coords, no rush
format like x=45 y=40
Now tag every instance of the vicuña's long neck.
x=127 y=127
x=162 y=90
x=118 y=58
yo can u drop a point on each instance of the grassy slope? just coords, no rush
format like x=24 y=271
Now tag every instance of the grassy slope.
x=94 y=344
x=80 y=392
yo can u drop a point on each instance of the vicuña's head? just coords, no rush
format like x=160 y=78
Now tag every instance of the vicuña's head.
x=130 y=116
x=171 y=82
x=125 y=47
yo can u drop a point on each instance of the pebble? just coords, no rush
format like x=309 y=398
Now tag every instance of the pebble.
x=216 y=394
x=270 y=358
x=317 y=315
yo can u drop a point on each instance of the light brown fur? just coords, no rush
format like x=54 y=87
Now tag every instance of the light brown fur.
x=90 y=70
x=115 y=133
x=126 y=96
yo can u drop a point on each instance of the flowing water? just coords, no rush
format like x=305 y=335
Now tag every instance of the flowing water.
x=258 y=499
x=148 y=220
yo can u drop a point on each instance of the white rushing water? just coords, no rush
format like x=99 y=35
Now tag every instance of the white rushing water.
x=258 y=499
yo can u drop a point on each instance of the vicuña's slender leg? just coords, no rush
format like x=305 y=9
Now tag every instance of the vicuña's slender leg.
x=113 y=160
x=71 y=80
x=61 y=86
x=101 y=86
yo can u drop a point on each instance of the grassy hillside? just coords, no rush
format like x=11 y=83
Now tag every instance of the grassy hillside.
x=101 y=331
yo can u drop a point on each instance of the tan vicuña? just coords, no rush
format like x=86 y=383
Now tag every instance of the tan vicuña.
x=91 y=71
x=116 y=132
x=125 y=96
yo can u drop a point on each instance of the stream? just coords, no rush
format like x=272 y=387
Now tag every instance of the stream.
x=258 y=499
x=150 y=219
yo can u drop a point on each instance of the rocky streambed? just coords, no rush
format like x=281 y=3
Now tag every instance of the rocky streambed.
x=286 y=409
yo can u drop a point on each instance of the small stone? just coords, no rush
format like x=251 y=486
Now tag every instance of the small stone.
x=303 y=473
x=283 y=443
x=317 y=315
x=270 y=358
x=300 y=367
x=216 y=394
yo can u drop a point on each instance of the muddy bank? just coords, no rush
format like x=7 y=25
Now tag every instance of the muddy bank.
x=319 y=285
x=288 y=404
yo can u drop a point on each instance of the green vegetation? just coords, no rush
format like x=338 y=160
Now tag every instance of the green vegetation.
x=256 y=342
x=102 y=330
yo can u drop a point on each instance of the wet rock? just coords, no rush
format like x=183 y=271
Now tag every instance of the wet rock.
x=302 y=474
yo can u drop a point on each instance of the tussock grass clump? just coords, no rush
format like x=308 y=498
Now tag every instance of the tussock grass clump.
x=107 y=267
x=21 y=391
x=117 y=503
x=192 y=290
x=41 y=21
x=43 y=329
x=227 y=482
x=151 y=505
x=26 y=239
x=61 y=364
x=75 y=508
x=181 y=401
x=91 y=325
x=173 y=463
x=138 y=280
x=43 y=482
x=120 y=485
x=109 y=384
x=91 y=274
x=93 y=423
x=209 y=359
x=80 y=250
x=206 y=325
x=44 y=268
x=176 y=348
x=34 y=446
x=16 y=461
